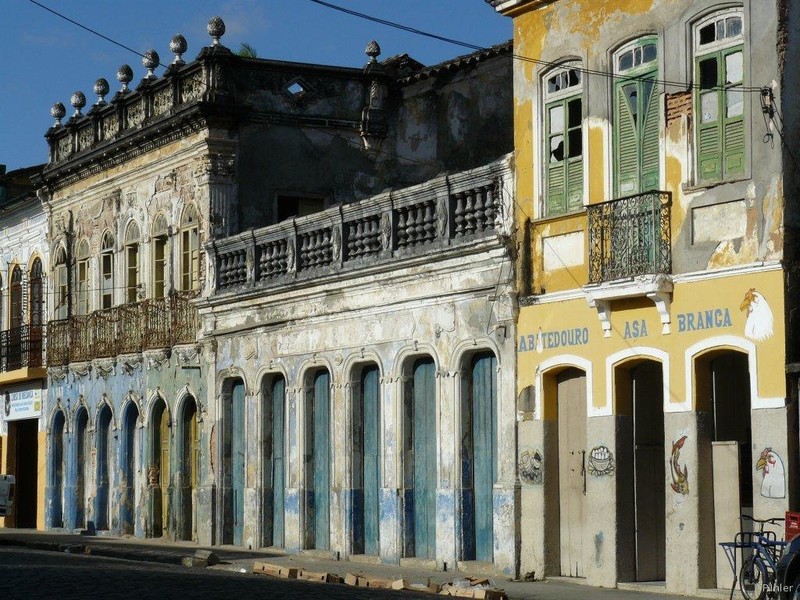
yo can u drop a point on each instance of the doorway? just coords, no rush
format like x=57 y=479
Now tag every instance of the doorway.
x=317 y=462
x=571 y=406
x=233 y=459
x=128 y=468
x=273 y=393
x=104 y=439
x=81 y=446
x=366 y=462
x=24 y=434
x=57 y=471
x=159 y=472
x=190 y=468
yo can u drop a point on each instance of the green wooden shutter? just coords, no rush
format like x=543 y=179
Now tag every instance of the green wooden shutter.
x=651 y=102
x=627 y=146
x=556 y=170
x=575 y=184
x=709 y=132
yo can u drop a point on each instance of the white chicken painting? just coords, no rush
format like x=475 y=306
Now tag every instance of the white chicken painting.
x=773 y=485
x=758 y=326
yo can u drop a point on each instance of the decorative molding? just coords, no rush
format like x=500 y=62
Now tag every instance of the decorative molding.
x=104 y=366
x=80 y=370
x=188 y=356
x=156 y=359
x=130 y=363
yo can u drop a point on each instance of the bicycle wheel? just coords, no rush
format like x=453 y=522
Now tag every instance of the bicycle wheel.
x=753 y=579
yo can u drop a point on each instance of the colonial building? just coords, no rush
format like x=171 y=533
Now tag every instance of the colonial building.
x=651 y=173
x=23 y=246
x=152 y=197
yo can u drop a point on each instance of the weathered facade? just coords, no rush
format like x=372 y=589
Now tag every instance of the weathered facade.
x=651 y=174
x=23 y=378
x=148 y=196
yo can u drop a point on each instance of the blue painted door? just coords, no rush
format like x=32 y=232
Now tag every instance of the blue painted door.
x=278 y=489
x=127 y=467
x=366 y=463
x=420 y=435
x=321 y=460
x=237 y=461
x=103 y=475
x=80 y=469
x=478 y=458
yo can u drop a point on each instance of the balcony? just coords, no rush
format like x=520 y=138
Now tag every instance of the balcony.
x=20 y=348
x=630 y=237
x=126 y=329
x=449 y=213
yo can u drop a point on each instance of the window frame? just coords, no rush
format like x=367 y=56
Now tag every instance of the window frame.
x=190 y=250
x=61 y=308
x=107 y=272
x=159 y=234
x=132 y=263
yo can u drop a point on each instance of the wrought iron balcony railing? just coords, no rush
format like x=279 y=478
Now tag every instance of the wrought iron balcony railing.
x=630 y=237
x=446 y=212
x=126 y=329
x=20 y=347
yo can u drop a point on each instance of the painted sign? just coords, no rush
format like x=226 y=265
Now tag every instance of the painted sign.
x=635 y=329
x=22 y=403
x=547 y=340
x=712 y=318
x=773 y=484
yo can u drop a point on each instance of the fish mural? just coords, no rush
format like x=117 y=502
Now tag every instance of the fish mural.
x=680 y=478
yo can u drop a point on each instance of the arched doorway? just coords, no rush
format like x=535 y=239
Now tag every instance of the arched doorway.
x=722 y=391
x=57 y=471
x=639 y=390
x=127 y=464
x=317 y=461
x=103 y=440
x=81 y=456
x=478 y=457
x=190 y=468
x=419 y=460
x=366 y=427
x=158 y=474
x=273 y=394
x=233 y=460
x=570 y=412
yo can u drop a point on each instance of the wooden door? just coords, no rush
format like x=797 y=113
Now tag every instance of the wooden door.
x=424 y=458
x=322 y=461
x=237 y=461
x=572 y=469
x=103 y=472
x=649 y=464
x=278 y=464
x=190 y=469
x=80 y=469
x=163 y=467
x=370 y=395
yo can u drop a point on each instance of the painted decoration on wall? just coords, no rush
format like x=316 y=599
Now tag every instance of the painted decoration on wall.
x=680 y=477
x=530 y=467
x=773 y=484
x=759 y=316
x=601 y=461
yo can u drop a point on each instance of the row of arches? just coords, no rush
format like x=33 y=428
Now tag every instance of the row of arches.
x=129 y=476
x=305 y=423
x=646 y=456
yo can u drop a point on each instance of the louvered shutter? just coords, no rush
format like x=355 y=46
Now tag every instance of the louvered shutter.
x=627 y=146
x=649 y=139
x=555 y=202
x=575 y=183
x=709 y=131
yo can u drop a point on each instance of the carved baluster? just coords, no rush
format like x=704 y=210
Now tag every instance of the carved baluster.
x=459 y=214
x=430 y=222
x=489 y=203
x=469 y=212
x=401 y=228
x=359 y=237
x=480 y=213
x=375 y=235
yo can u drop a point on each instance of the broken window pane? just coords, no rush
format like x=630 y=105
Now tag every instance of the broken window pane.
x=556 y=148
x=735 y=103
x=709 y=106
x=575 y=113
x=557 y=118
x=707 y=34
x=574 y=77
x=708 y=73
x=575 y=143
x=734 y=67
x=631 y=95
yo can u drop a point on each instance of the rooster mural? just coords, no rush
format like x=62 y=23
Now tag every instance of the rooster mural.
x=680 y=478
x=774 y=483
x=759 y=316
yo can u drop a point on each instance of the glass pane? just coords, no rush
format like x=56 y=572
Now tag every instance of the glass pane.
x=557 y=119
x=734 y=67
x=735 y=103
x=575 y=113
x=637 y=56
x=733 y=26
x=574 y=77
x=709 y=107
x=720 y=29
x=707 y=34
x=552 y=84
x=626 y=60
x=557 y=148
x=575 y=143
x=708 y=73
x=650 y=53
x=631 y=92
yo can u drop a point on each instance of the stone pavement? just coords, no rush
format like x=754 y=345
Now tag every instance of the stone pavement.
x=241 y=561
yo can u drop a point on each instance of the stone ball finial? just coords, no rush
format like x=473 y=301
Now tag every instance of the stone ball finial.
x=58 y=112
x=216 y=29
x=150 y=60
x=373 y=50
x=78 y=101
x=178 y=46
x=101 y=89
x=125 y=76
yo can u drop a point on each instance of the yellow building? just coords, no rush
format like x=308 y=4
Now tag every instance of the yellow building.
x=652 y=346
x=23 y=378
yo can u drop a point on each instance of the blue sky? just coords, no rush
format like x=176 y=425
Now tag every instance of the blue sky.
x=45 y=59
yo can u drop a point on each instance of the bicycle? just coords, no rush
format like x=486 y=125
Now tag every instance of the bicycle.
x=756 y=576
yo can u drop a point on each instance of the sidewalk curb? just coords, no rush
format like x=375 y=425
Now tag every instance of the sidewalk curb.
x=98 y=550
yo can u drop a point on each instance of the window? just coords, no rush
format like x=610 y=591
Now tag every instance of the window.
x=15 y=294
x=61 y=285
x=298 y=206
x=636 y=118
x=82 y=279
x=36 y=294
x=719 y=98
x=132 y=263
x=159 y=235
x=107 y=272
x=190 y=250
x=563 y=117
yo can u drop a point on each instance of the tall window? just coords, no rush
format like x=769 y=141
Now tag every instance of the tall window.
x=36 y=294
x=190 y=250
x=636 y=117
x=61 y=308
x=719 y=101
x=159 y=236
x=132 y=263
x=16 y=298
x=82 y=279
x=563 y=117
x=107 y=272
